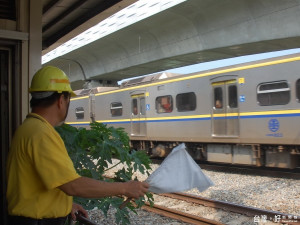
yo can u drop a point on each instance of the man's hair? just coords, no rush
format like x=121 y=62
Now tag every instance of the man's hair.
x=46 y=102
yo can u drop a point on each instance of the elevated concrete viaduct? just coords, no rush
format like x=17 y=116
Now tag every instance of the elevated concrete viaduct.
x=191 y=32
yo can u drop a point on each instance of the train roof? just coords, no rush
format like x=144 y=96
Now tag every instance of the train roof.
x=84 y=92
x=241 y=66
x=148 y=79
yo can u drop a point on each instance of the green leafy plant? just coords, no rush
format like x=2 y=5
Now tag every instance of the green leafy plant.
x=92 y=151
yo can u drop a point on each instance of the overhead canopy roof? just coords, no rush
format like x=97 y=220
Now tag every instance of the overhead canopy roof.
x=64 y=19
x=190 y=32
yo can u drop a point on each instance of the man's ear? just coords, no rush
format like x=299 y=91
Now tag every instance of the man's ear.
x=60 y=101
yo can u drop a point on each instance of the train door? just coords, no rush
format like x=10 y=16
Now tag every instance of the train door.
x=225 y=112
x=138 y=115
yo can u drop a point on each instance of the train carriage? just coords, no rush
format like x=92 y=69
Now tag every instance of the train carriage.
x=244 y=114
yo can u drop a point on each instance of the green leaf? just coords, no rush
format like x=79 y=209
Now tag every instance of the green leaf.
x=92 y=150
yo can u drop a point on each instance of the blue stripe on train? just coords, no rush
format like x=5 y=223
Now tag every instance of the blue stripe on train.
x=191 y=119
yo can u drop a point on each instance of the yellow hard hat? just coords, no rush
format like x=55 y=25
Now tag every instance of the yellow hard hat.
x=50 y=78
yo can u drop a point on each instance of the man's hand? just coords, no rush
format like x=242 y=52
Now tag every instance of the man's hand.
x=135 y=189
x=78 y=209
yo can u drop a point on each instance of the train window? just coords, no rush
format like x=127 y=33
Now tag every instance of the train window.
x=232 y=96
x=218 y=99
x=273 y=93
x=298 y=90
x=116 y=109
x=79 y=112
x=164 y=104
x=186 y=102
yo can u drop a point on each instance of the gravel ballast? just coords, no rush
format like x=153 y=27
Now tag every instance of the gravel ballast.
x=276 y=194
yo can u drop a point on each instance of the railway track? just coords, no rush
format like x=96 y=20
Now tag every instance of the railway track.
x=163 y=211
x=178 y=215
x=235 y=208
x=245 y=212
x=277 y=217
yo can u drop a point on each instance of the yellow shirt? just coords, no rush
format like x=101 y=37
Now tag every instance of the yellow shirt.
x=37 y=164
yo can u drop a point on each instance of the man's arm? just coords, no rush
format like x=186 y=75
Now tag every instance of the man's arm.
x=90 y=188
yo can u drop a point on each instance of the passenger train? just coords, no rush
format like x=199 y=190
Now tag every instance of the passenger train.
x=245 y=114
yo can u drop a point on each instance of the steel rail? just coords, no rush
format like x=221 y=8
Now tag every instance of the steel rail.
x=232 y=207
x=178 y=215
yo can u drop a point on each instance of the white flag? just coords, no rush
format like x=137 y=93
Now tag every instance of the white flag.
x=178 y=172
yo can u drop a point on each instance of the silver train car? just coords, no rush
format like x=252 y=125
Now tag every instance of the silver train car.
x=245 y=114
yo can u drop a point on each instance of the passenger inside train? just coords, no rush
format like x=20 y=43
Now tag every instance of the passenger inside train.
x=164 y=104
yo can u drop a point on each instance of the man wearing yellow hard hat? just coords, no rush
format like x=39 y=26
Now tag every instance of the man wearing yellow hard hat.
x=41 y=178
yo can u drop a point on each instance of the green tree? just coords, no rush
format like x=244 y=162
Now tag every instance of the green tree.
x=92 y=150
